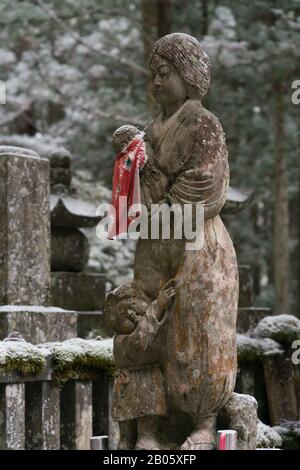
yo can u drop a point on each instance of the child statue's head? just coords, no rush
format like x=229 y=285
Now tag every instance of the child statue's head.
x=125 y=306
x=123 y=136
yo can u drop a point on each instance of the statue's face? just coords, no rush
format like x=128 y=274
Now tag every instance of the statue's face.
x=120 y=141
x=129 y=314
x=167 y=86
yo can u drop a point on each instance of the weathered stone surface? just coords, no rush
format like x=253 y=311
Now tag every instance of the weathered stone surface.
x=267 y=437
x=42 y=416
x=69 y=249
x=59 y=361
x=249 y=317
x=69 y=211
x=76 y=415
x=113 y=426
x=282 y=328
x=24 y=228
x=20 y=357
x=246 y=286
x=79 y=358
x=80 y=291
x=190 y=167
x=12 y=416
x=253 y=349
x=280 y=386
x=290 y=434
x=240 y=414
x=38 y=324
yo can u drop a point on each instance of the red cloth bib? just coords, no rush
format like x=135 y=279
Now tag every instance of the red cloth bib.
x=126 y=184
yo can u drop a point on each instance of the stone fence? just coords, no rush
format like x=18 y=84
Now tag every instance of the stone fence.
x=55 y=395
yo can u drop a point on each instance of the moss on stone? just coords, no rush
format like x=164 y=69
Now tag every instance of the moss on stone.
x=282 y=328
x=267 y=437
x=80 y=358
x=21 y=357
x=290 y=434
x=253 y=349
x=72 y=359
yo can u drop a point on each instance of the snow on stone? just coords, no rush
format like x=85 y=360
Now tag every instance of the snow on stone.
x=282 y=328
x=30 y=308
x=267 y=437
x=253 y=349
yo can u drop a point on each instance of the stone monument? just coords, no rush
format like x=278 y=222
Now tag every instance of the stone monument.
x=196 y=353
x=25 y=274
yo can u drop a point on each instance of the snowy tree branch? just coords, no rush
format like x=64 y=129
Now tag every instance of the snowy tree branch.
x=95 y=112
x=120 y=60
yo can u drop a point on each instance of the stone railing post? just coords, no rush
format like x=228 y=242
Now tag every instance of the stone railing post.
x=42 y=416
x=76 y=415
x=12 y=416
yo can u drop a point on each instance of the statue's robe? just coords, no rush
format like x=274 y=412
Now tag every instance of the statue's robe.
x=139 y=388
x=200 y=346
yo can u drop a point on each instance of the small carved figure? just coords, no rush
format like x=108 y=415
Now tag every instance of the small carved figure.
x=139 y=393
x=131 y=157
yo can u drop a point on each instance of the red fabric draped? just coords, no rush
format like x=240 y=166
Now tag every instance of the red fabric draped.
x=126 y=183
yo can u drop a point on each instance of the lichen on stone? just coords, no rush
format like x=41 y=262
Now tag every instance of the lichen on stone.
x=282 y=328
x=80 y=358
x=253 y=349
x=290 y=434
x=267 y=437
x=21 y=357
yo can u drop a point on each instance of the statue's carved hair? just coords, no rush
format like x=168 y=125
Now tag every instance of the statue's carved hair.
x=129 y=290
x=189 y=59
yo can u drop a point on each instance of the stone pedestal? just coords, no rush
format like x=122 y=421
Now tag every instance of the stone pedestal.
x=240 y=414
x=38 y=324
x=24 y=227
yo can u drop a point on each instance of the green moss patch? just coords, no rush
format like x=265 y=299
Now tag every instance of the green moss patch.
x=80 y=358
x=282 y=328
x=253 y=349
x=21 y=357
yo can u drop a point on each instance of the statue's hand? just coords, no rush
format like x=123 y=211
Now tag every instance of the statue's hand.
x=167 y=294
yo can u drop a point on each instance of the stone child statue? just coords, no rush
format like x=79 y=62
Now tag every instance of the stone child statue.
x=133 y=153
x=139 y=393
x=154 y=180
x=124 y=135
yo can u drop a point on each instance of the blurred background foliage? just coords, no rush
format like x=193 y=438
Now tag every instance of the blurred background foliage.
x=77 y=69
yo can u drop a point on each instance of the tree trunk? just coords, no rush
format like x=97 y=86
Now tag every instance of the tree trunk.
x=156 y=22
x=204 y=18
x=281 y=209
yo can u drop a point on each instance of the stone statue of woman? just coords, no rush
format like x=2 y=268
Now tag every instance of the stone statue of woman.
x=189 y=165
